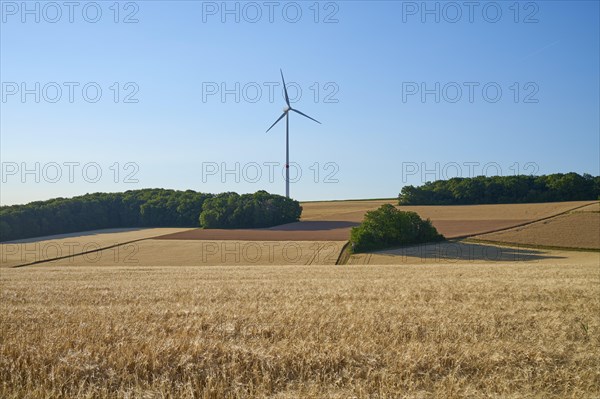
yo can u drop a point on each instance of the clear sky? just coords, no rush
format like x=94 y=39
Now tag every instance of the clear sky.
x=406 y=92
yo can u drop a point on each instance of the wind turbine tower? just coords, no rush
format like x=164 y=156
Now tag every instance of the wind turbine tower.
x=286 y=113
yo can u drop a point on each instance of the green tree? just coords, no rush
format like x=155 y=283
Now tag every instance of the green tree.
x=388 y=227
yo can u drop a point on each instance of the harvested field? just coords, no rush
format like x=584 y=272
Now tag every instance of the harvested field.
x=211 y=252
x=429 y=330
x=15 y=253
x=578 y=229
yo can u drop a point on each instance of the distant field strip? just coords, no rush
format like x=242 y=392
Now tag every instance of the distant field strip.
x=332 y=221
x=577 y=229
x=589 y=208
x=300 y=231
x=354 y=211
x=453 y=221
x=153 y=252
x=43 y=249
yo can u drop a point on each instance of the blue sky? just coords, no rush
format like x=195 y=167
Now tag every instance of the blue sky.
x=361 y=68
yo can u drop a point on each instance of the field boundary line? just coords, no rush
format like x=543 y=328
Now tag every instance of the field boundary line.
x=531 y=246
x=91 y=251
x=344 y=255
x=525 y=223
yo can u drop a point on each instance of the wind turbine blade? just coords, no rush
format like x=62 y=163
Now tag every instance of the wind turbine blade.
x=287 y=99
x=278 y=119
x=295 y=110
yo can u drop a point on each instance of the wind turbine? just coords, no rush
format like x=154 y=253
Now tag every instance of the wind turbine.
x=286 y=113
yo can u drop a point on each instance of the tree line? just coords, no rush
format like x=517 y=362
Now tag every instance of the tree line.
x=503 y=190
x=261 y=209
x=146 y=208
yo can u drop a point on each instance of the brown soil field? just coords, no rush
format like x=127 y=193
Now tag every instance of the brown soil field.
x=478 y=330
x=15 y=253
x=210 y=252
x=578 y=229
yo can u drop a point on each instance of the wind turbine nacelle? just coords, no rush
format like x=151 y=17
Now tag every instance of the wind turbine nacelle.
x=286 y=108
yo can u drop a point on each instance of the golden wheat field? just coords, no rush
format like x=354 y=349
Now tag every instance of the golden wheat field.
x=507 y=330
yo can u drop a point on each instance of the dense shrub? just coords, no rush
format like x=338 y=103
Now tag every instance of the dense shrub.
x=503 y=190
x=143 y=208
x=261 y=209
x=388 y=227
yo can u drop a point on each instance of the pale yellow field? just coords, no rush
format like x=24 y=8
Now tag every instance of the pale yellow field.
x=37 y=249
x=477 y=330
x=195 y=253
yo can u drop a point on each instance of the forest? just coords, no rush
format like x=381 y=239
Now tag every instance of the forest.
x=146 y=208
x=503 y=190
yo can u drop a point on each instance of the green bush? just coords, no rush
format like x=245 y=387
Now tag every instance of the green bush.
x=388 y=227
